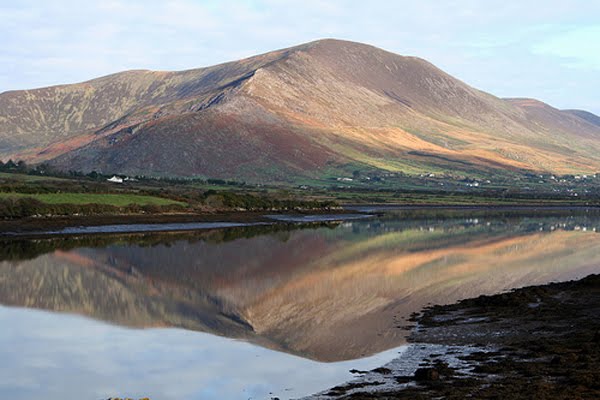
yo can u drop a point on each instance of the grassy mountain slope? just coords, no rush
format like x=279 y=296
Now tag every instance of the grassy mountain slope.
x=306 y=111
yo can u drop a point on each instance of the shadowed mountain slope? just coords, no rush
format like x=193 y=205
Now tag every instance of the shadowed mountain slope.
x=304 y=111
x=586 y=115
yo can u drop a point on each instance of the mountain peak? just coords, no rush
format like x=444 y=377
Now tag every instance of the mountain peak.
x=334 y=42
x=334 y=46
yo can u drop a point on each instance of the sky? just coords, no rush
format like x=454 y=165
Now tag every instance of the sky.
x=548 y=50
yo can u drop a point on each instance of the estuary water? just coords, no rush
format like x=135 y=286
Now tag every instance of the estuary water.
x=264 y=311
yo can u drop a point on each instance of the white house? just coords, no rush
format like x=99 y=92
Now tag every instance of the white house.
x=115 y=179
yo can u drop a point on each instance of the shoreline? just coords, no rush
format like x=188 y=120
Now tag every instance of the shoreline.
x=135 y=223
x=488 y=207
x=534 y=342
x=36 y=226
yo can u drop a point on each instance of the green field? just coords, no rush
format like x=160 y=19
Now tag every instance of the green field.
x=29 y=178
x=118 y=200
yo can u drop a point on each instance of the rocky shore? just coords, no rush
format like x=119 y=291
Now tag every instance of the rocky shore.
x=539 y=342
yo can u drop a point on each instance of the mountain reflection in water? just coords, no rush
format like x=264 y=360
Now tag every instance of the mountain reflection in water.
x=328 y=292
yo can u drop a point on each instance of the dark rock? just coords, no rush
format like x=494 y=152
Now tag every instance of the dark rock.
x=403 y=379
x=357 y=371
x=382 y=370
x=565 y=359
x=427 y=374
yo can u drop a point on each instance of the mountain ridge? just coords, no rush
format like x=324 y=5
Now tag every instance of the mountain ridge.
x=586 y=115
x=304 y=111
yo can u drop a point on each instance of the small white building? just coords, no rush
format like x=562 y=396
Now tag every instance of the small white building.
x=115 y=179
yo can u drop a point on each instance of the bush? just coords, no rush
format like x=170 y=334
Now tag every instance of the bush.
x=21 y=207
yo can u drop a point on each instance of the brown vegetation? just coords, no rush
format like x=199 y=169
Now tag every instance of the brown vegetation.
x=299 y=112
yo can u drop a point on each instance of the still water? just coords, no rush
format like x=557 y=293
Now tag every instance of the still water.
x=264 y=311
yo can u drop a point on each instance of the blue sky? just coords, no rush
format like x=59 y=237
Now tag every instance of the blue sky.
x=548 y=50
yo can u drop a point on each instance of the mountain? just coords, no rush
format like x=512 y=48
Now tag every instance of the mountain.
x=308 y=111
x=586 y=115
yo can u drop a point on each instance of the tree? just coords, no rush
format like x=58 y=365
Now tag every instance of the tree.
x=10 y=165
x=21 y=166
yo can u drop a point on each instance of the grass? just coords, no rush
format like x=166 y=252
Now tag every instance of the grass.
x=29 y=178
x=118 y=200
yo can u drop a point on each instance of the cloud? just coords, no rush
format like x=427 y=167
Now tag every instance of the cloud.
x=579 y=47
x=66 y=41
